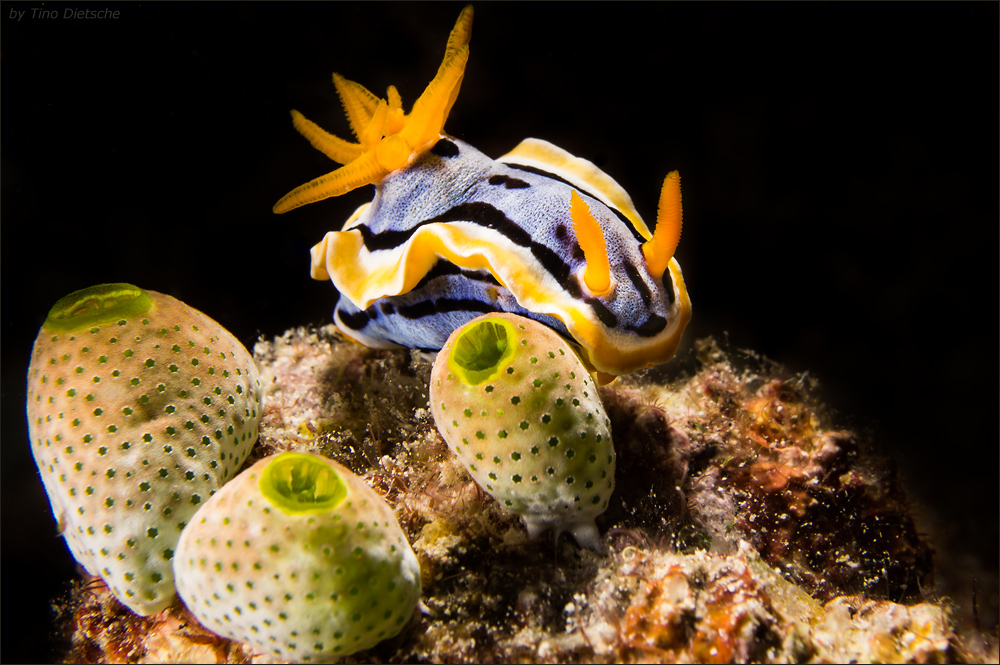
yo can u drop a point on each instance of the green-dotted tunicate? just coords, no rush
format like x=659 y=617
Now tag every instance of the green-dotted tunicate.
x=299 y=558
x=517 y=406
x=139 y=408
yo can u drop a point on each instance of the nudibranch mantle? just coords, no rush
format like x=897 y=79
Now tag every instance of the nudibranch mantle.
x=452 y=234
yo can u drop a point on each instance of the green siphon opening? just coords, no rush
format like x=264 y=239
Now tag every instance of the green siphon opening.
x=96 y=306
x=481 y=350
x=297 y=484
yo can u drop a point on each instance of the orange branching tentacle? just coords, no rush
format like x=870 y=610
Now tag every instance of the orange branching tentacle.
x=461 y=33
x=359 y=104
x=334 y=147
x=659 y=249
x=375 y=130
x=426 y=120
x=362 y=171
x=388 y=139
x=595 y=250
x=396 y=119
x=458 y=40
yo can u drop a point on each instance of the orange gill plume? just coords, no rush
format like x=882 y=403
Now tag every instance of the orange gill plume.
x=388 y=139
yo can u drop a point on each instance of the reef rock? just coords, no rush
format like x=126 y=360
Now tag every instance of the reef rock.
x=745 y=526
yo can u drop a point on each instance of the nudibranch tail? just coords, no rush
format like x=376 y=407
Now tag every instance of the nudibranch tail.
x=660 y=248
x=388 y=139
x=597 y=276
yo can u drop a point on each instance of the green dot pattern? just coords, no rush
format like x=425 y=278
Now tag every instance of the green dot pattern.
x=135 y=466
x=539 y=439
x=345 y=578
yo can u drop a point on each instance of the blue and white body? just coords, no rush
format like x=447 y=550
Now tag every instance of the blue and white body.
x=452 y=234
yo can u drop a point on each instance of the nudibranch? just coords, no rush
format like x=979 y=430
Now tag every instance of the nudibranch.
x=452 y=234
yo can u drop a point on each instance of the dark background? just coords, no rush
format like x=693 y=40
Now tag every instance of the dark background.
x=839 y=164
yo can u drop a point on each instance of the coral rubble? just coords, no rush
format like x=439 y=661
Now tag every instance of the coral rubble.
x=743 y=527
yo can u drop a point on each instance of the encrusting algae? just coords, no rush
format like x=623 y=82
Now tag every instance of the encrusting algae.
x=742 y=528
